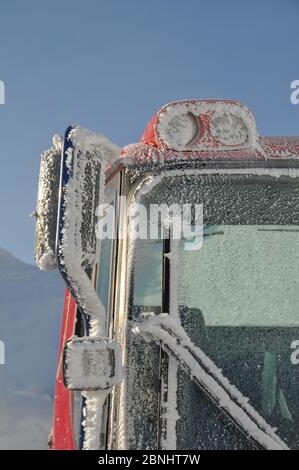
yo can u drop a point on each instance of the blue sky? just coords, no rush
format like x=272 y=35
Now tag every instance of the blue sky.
x=110 y=65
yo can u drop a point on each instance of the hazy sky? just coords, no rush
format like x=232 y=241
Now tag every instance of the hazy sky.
x=110 y=64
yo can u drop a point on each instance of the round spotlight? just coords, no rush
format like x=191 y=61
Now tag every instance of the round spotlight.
x=179 y=130
x=229 y=129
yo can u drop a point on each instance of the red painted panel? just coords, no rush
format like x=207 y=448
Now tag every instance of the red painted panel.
x=62 y=437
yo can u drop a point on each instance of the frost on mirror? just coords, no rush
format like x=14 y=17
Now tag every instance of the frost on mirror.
x=47 y=207
x=238 y=300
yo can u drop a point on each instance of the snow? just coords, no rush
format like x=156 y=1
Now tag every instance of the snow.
x=47 y=206
x=169 y=408
x=94 y=406
x=171 y=336
x=31 y=303
x=88 y=141
x=47 y=261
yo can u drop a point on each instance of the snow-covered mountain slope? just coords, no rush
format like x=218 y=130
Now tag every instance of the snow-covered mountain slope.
x=30 y=311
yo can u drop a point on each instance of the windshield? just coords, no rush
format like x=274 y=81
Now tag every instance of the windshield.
x=244 y=275
x=237 y=298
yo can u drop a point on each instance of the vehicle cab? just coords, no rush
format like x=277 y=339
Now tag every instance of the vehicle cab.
x=180 y=325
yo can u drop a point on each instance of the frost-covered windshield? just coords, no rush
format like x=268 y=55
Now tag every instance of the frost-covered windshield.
x=244 y=275
x=244 y=285
x=238 y=298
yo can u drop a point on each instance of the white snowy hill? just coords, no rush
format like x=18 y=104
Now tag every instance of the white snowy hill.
x=31 y=304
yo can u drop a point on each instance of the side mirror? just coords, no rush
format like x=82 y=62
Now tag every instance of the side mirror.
x=71 y=186
x=47 y=207
x=82 y=183
x=91 y=364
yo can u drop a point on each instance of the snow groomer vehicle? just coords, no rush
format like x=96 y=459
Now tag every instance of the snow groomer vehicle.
x=173 y=340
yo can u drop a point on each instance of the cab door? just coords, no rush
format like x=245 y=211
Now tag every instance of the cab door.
x=236 y=298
